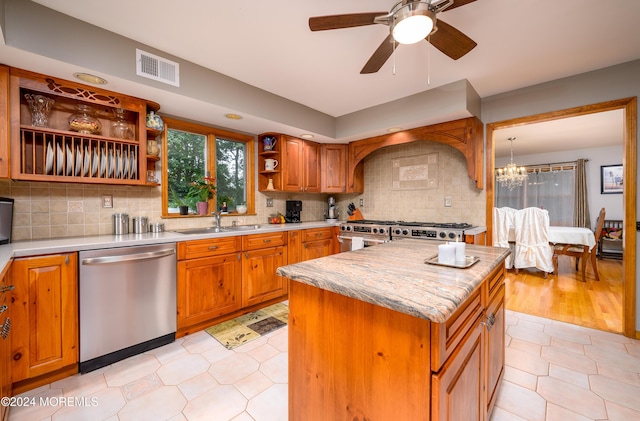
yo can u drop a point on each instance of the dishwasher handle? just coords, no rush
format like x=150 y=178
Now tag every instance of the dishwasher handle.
x=128 y=257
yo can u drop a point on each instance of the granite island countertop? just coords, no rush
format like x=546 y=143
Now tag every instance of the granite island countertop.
x=393 y=275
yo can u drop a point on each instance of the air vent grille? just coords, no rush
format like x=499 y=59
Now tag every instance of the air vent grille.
x=157 y=68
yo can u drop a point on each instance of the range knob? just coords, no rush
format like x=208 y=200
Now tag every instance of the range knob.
x=442 y=234
x=375 y=230
x=397 y=231
x=405 y=232
x=452 y=235
x=348 y=227
x=382 y=230
x=343 y=228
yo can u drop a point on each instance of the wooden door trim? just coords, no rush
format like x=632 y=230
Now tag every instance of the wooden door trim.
x=629 y=160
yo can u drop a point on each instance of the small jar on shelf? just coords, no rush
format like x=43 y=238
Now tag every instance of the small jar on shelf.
x=83 y=121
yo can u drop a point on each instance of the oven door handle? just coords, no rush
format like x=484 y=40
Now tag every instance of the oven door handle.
x=370 y=240
x=128 y=257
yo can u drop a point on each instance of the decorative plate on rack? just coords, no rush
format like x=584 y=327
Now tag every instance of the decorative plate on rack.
x=69 y=161
x=78 y=166
x=49 y=159
x=87 y=161
x=59 y=160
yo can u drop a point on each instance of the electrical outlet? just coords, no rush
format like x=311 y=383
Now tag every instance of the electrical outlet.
x=362 y=203
x=637 y=226
x=447 y=202
x=269 y=202
x=107 y=201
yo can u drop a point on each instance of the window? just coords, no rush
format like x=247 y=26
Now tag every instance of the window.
x=551 y=190
x=192 y=152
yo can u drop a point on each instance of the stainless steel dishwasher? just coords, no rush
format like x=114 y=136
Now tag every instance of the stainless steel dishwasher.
x=127 y=302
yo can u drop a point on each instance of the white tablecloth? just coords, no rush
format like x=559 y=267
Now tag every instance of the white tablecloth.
x=565 y=235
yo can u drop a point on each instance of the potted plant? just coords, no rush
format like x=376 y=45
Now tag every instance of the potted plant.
x=201 y=191
x=181 y=203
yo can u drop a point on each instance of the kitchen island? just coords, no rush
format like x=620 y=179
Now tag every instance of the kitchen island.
x=377 y=334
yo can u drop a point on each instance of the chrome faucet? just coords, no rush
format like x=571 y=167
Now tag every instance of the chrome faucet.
x=217 y=216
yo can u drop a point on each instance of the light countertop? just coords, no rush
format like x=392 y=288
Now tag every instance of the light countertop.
x=70 y=244
x=393 y=275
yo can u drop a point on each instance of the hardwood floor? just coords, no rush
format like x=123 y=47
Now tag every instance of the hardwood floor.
x=564 y=297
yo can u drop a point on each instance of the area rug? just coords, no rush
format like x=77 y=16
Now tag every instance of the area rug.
x=250 y=326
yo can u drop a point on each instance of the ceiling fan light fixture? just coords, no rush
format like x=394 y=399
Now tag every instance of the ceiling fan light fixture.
x=412 y=22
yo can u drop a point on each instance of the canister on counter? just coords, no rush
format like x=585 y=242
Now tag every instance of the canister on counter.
x=120 y=223
x=156 y=227
x=140 y=224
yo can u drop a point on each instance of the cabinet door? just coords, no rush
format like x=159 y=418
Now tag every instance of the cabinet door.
x=5 y=351
x=311 y=163
x=294 y=247
x=333 y=164
x=208 y=288
x=315 y=249
x=461 y=381
x=45 y=308
x=292 y=169
x=494 y=345
x=259 y=280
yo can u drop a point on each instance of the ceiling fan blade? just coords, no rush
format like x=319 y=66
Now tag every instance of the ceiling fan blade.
x=458 y=3
x=379 y=57
x=451 y=41
x=323 y=23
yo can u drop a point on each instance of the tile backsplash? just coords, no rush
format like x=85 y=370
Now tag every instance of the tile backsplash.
x=53 y=210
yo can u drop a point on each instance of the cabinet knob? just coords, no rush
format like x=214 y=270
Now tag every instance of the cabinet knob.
x=491 y=320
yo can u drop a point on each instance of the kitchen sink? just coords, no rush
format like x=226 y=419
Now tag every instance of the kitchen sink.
x=213 y=230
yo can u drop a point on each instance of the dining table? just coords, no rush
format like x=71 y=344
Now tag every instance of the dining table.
x=572 y=237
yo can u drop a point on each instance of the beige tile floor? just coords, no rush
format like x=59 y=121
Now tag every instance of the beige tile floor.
x=554 y=371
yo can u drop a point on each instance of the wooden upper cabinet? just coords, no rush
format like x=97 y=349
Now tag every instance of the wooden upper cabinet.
x=76 y=153
x=4 y=121
x=334 y=168
x=300 y=165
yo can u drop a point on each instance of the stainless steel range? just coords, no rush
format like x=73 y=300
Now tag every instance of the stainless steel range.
x=452 y=231
x=371 y=232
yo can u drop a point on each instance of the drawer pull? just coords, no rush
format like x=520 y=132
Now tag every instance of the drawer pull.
x=7 y=288
x=491 y=320
x=266 y=241
x=213 y=247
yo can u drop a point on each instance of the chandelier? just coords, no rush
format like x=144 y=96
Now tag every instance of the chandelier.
x=511 y=176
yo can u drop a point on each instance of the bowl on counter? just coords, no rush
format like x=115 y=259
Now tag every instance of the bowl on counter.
x=241 y=209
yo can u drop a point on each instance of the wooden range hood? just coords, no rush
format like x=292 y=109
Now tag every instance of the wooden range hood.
x=466 y=135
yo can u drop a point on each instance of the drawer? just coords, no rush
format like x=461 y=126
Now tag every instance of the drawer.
x=317 y=234
x=446 y=336
x=259 y=241
x=496 y=279
x=209 y=247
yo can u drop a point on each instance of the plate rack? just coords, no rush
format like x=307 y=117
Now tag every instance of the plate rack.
x=51 y=153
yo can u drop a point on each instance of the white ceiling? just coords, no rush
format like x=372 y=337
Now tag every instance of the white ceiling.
x=269 y=45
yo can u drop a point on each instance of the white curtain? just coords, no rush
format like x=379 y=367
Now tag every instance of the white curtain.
x=550 y=190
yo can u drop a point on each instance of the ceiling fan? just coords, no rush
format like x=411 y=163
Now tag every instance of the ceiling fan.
x=404 y=17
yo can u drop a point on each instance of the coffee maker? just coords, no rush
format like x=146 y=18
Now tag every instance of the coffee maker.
x=294 y=207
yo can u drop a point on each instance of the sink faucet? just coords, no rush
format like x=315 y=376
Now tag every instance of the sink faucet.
x=217 y=216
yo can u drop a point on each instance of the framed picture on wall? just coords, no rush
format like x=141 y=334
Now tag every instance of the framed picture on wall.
x=611 y=180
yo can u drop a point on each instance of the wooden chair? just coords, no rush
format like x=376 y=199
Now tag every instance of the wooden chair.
x=579 y=251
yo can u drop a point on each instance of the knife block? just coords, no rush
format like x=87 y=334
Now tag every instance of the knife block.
x=356 y=216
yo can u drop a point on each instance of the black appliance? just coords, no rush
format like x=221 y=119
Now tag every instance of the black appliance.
x=294 y=207
x=6 y=219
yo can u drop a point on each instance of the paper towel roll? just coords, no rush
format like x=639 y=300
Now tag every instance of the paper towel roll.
x=447 y=254
x=357 y=243
x=460 y=251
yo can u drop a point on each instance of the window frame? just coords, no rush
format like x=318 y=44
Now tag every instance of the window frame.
x=211 y=133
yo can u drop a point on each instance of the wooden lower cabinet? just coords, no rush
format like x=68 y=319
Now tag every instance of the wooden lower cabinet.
x=353 y=360
x=457 y=389
x=44 y=337
x=318 y=242
x=207 y=288
x=5 y=331
x=259 y=280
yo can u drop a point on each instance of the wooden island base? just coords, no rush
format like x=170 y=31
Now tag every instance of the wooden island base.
x=351 y=360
